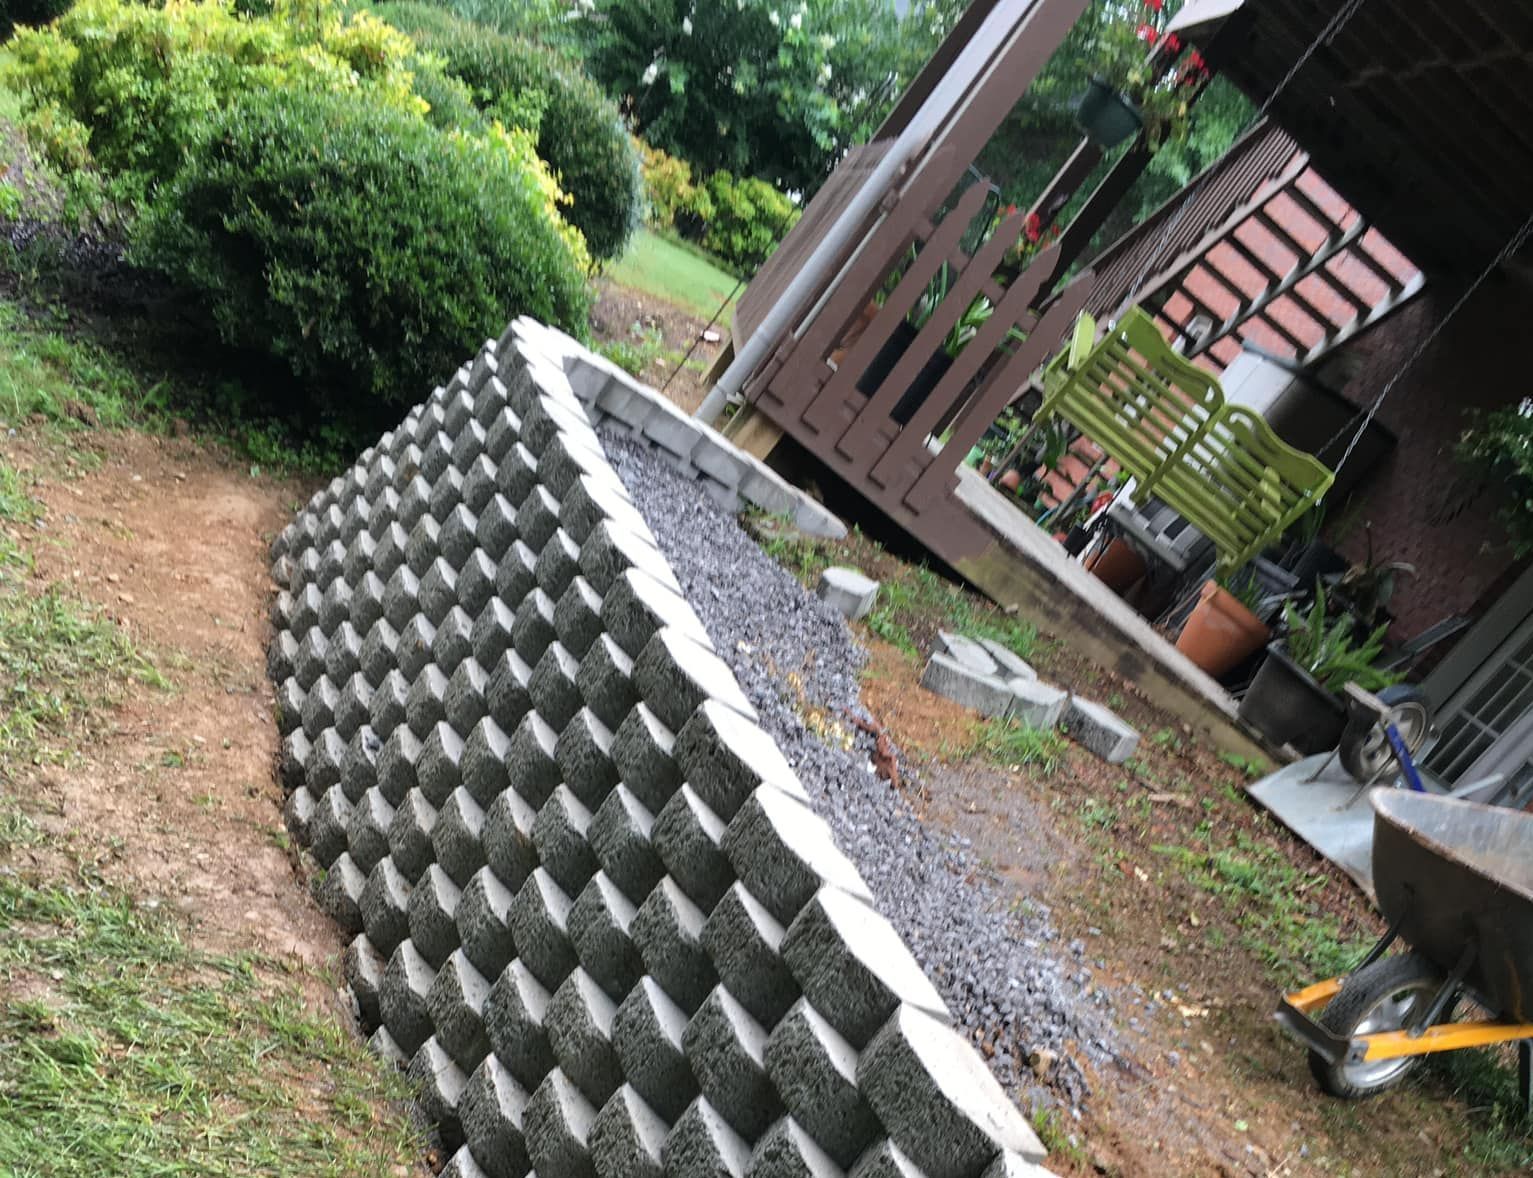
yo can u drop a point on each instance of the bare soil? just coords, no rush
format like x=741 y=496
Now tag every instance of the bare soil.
x=624 y=314
x=173 y=795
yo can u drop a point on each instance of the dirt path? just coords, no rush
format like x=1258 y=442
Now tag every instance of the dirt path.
x=175 y=795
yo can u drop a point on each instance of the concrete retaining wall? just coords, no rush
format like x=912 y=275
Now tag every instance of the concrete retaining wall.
x=592 y=912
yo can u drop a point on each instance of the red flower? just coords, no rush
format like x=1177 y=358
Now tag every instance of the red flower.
x=1195 y=60
x=1155 y=5
x=1172 y=43
x=1148 y=33
x=1011 y=211
x=1033 y=227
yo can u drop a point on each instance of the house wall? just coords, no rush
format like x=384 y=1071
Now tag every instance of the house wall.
x=1417 y=503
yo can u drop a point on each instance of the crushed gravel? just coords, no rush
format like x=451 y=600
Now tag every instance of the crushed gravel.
x=1007 y=977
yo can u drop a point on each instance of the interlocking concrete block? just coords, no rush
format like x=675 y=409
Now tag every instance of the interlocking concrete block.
x=437 y=768
x=319 y=707
x=612 y=549
x=816 y=520
x=517 y=473
x=396 y=764
x=367 y=604
x=363 y=967
x=479 y=475
x=508 y=845
x=392 y=543
x=382 y=1044
x=483 y=761
x=565 y=459
x=401 y=597
x=637 y=607
x=538 y=517
x=439 y=1085
x=676 y=675
x=464 y=703
x=592 y=500
x=367 y=833
x=402 y=998
x=847 y=592
x=940 y=1103
x=438 y=590
x=579 y=1021
x=462 y=533
x=540 y=928
x=605 y=680
x=726 y=1048
x=726 y=756
x=456 y=1003
x=484 y=923
x=379 y=650
x=436 y=457
x=447 y=491
x=967 y=651
x=668 y=929
x=623 y=399
x=716 y=458
x=671 y=429
x=628 y=1138
x=385 y=907
x=433 y=915
x=620 y=838
x=304 y=614
x=1036 y=704
x=600 y=924
x=462 y=1163
x=1012 y=665
x=533 y=631
x=557 y=564
x=415 y=649
x=498 y=528
x=764 y=488
x=514 y=1012
x=339 y=894
x=962 y=684
x=1100 y=730
x=335 y=605
x=688 y=837
x=786 y=1150
x=815 y=1071
x=583 y=752
x=854 y=967
x=327 y=825
x=410 y=835
x=290 y=697
x=577 y=615
x=280 y=655
x=458 y=836
x=531 y=766
x=701 y=1144
x=559 y=834
x=492 y=1110
x=1010 y=1165
x=352 y=711
x=309 y=658
x=387 y=707
x=326 y=756
x=506 y=693
x=491 y=636
x=782 y=851
x=552 y=686
x=516 y=575
x=647 y=1032
x=558 y=1128
x=454 y=640
x=744 y=941
x=642 y=749
x=885 y=1160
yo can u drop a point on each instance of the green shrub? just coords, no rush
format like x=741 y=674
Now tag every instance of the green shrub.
x=744 y=219
x=668 y=188
x=578 y=130
x=117 y=93
x=364 y=247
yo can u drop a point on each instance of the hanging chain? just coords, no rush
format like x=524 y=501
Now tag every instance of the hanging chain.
x=1325 y=37
x=1515 y=243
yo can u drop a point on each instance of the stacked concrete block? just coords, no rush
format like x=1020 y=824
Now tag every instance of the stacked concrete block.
x=985 y=675
x=591 y=910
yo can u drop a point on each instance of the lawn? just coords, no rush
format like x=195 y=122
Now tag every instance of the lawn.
x=668 y=271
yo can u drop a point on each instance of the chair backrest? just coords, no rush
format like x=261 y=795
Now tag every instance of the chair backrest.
x=1131 y=394
x=1242 y=486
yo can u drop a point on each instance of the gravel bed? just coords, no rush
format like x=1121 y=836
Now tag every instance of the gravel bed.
x=1006 y=976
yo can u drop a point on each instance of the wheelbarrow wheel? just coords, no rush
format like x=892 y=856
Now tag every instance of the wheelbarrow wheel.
x=1364 y=751
x=1384 y=996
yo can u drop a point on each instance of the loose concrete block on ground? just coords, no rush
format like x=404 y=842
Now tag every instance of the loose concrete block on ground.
x=963 y=684
x=1036 y=704
x=847 y=592
x=1100 y=730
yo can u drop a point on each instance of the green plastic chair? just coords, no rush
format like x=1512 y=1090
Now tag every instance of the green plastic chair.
x=1164 y=420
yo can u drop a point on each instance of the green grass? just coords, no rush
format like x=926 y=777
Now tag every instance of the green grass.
x=1011 y=744
x=44 y=372
x=125 y=1052
x=669 y=271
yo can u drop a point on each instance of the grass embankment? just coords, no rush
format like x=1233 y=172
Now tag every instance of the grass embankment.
x=667 y=270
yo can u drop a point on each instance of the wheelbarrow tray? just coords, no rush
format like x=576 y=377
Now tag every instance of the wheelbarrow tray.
x=1453 y=876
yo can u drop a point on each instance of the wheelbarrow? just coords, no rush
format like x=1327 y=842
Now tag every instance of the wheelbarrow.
x=1454 y=881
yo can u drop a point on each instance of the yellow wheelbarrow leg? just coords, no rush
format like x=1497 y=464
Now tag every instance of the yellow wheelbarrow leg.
x=1443 y=1037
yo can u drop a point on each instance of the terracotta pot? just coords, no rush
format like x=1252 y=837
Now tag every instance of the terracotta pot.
x=986 y=466
x=1117 y=565
x=1010 y=481
x=1221 y=632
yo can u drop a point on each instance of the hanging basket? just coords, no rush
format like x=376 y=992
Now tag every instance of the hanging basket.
x=1107 y=117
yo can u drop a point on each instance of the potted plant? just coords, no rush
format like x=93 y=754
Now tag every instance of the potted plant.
x=1296 y=696
x=1136 y=82
x=1224 y=628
